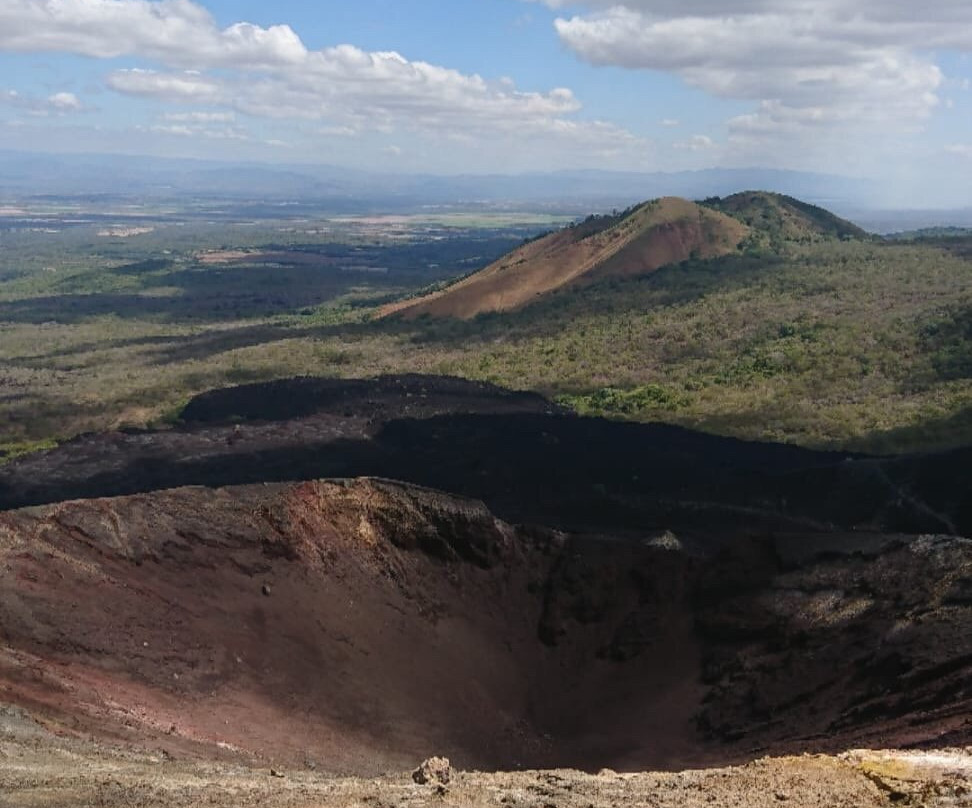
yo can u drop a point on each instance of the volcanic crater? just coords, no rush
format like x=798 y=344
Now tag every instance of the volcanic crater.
x=359 y=623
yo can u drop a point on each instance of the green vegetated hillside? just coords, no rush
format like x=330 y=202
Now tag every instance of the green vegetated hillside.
x=806 y=330
x=852 y=344
x=776 y=219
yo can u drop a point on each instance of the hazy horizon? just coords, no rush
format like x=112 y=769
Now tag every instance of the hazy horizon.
x=864 y=90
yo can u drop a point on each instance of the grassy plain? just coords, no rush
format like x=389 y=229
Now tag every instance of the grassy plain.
x=856 y=344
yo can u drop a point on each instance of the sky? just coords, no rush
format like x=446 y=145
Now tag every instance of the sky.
x=864 y=88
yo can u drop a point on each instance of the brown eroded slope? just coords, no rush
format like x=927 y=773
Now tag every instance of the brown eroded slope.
x=359 y=625
x=657 y=233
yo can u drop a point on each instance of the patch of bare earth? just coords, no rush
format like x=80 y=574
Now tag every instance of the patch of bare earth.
x=215 y=257
x=39 y=769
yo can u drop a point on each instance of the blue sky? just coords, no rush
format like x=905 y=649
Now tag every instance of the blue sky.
x=875 y=88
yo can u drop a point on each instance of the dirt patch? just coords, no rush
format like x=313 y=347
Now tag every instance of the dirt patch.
x=215 y=257
x=46 y=771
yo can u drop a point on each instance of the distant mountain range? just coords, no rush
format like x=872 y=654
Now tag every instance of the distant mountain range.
x=36 y=174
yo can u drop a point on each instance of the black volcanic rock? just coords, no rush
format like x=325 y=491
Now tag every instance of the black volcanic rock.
x=526 y=458
x=385 y=397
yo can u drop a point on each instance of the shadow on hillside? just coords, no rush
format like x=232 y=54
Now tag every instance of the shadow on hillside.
x=214 y=294
x=32 y=416
x=212 y=343
x=669 y=286
x=75 y=308
x=225 y=295
x=173 y=350
x=555 y=469
x=928 y=435
x=88 y=347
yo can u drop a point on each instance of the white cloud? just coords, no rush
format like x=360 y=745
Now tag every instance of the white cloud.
x=807 y=63
x=270 y=73
x=379 y=92
x=62 y=103
x=210 y=132
x=188 y=86
x=200 y=117
x=338 y=131
x=961 y=149
x=670 y=122
x=176 y=129
x=176 y=32
x=696 y=143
